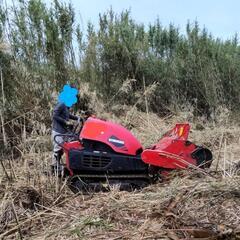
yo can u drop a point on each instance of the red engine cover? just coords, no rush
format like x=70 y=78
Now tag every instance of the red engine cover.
x=114 y=135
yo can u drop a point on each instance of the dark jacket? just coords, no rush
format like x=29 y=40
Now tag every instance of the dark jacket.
x=60 y=117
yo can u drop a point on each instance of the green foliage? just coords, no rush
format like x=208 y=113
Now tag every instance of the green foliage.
x=185 y=69
x=193 y=69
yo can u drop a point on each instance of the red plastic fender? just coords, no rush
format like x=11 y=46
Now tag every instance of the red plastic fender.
x=67 y=146
x=173 y=151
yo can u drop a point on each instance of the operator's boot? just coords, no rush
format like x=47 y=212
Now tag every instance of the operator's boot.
x=57 y=168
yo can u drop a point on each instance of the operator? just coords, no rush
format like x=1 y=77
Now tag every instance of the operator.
x=60 y=123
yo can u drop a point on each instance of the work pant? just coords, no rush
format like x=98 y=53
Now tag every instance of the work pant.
x=57 y=149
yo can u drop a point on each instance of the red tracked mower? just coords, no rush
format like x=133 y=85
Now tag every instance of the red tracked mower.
x=103 y=153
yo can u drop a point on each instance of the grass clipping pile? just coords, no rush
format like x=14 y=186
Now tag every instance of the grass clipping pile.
x=189 y=204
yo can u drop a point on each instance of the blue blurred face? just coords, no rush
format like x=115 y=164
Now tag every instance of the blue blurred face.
x=68 y=95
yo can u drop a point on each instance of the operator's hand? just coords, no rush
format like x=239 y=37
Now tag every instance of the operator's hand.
x=68 y=124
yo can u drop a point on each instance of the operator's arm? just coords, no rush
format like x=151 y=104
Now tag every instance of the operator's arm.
x=73 y=117
x=57 y=114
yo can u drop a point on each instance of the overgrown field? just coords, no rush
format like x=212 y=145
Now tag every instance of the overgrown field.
x=144 y=77
x=187 y=205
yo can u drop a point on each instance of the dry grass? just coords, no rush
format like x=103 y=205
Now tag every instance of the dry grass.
x=188 y=205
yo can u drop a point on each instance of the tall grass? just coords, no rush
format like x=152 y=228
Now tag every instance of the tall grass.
x=152 y=68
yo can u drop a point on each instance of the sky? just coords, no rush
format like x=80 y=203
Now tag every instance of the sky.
x=220 y=17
